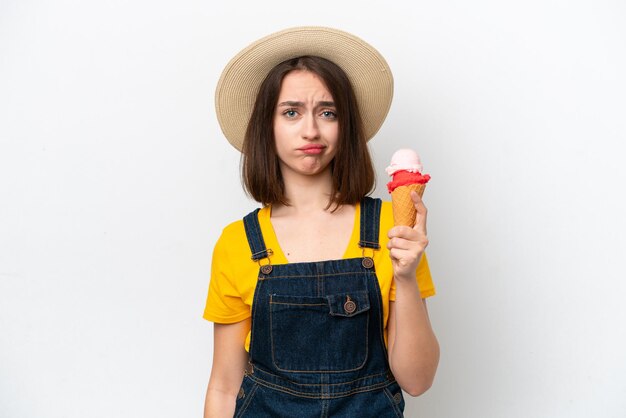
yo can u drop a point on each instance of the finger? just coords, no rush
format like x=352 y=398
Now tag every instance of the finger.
x=418 y=202
x=401 y=231
x=397 y=254
x=404 y=257
x=418 y=244
x=420 y=216
x=400 y=243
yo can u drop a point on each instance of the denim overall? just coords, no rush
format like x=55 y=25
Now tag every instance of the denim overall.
x=317 y=347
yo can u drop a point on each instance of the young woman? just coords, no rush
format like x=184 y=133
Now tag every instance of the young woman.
x=317 y=299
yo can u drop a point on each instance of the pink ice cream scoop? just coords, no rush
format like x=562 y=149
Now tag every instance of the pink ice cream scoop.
x=405 y=159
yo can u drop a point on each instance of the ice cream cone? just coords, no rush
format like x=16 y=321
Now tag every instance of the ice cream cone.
x=403 y=207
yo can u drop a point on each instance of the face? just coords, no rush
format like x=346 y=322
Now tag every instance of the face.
x=306 y=129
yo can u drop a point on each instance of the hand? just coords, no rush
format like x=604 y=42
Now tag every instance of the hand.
x=406 y=245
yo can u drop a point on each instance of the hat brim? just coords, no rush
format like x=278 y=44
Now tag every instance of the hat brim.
x=366 y=68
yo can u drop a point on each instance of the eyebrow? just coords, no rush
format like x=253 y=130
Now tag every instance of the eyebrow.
x=301 y=104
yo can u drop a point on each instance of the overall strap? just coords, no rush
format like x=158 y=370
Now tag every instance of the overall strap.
x=255 y=238
x=370 y=222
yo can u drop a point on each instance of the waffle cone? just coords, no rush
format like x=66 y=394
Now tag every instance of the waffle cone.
x=403 y=208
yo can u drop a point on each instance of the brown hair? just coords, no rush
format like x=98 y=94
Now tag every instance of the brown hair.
x=352 y=170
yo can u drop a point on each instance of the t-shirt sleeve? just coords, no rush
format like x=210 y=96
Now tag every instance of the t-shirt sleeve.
x=422 y=273
x=424 y=280
x=224 y=303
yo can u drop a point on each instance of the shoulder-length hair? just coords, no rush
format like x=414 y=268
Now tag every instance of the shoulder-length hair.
x=353 y=174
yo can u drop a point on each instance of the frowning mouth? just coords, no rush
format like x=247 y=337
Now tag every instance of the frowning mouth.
x=312 y=149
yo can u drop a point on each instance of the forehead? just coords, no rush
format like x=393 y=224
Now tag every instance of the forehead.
x=307 y=83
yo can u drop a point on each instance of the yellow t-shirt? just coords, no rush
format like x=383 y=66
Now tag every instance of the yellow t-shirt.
x=234 y=274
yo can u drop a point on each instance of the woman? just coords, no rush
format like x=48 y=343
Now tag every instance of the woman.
x=318 y=301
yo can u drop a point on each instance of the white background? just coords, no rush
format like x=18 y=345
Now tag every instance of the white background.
x=115 y=182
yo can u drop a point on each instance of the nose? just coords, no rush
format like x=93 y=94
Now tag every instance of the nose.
x=310 y=128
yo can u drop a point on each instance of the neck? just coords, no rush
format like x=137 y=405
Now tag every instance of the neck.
x=307 y=193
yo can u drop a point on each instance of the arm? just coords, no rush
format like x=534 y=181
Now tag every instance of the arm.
x=412 y=345
x=229 y=362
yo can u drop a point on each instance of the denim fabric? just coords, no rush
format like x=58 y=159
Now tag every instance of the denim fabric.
x=317 y=346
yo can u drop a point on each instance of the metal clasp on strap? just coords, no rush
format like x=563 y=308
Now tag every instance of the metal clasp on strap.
x=367 y=262
x=266 y=253
x=265 y=268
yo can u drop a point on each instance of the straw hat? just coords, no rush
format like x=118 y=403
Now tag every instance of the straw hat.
x=239 y=84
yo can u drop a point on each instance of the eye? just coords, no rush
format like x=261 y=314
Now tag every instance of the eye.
x=329 y=114
x=290 y=113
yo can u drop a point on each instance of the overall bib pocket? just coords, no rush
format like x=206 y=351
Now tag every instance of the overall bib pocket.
x=320 y=334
